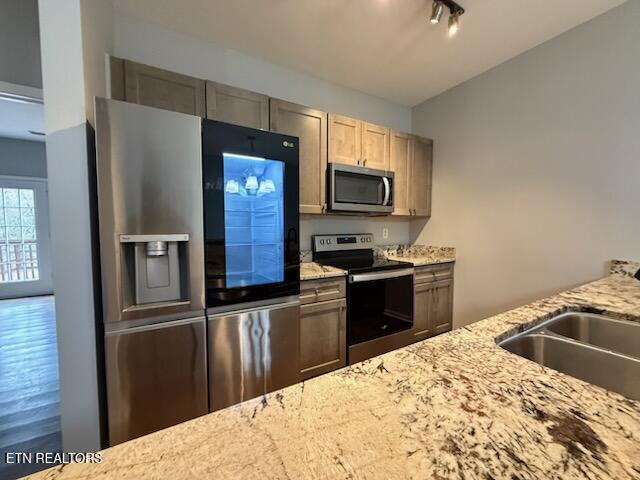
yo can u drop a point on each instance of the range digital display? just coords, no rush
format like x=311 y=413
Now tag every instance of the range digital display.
x=343 y=240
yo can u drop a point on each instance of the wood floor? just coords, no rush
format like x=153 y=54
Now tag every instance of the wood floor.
x=29 y=390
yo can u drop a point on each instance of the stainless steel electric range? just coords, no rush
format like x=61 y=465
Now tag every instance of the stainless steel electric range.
x=379 y=294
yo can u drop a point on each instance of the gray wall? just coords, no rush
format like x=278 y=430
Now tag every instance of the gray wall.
x=22 y=158
x=537 y=167
x=20 y=43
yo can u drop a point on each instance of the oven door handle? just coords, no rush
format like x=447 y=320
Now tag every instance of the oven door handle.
x=368 y=277
x=387 y=191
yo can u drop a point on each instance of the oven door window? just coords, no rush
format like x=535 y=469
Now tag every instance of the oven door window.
x=379 y=307
x=358 y=188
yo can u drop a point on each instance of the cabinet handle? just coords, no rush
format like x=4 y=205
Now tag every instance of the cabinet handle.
x=364 y=162
x=328 y=292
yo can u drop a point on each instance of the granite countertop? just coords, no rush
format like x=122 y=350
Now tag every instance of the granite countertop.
x=313 y=270
x=419 y=255
x=454 y=406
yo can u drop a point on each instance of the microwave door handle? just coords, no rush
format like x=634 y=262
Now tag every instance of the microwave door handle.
x=387 y=191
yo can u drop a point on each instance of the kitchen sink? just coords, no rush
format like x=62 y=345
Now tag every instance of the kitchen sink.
x=617 y=335
x=597 y=349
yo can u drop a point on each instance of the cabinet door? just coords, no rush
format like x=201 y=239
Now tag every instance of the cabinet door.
x=420 y=174
x=375 y=146
x=310 y=126
x=159 y=88
x=442 y=308
x=323 y=337
x=116 y=75
x=237 y=106
x=400 y=154
x=422 y=300
x=345 y=139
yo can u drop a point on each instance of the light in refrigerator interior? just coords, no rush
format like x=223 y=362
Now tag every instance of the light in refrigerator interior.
x=254 y=220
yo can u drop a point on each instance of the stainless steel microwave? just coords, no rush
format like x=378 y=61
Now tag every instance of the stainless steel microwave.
x=353 y=189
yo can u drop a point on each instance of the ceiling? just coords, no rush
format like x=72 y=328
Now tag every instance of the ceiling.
x=16 y=119
x=385 y=48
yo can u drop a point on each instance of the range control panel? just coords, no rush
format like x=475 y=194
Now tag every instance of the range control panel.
x=350 y=241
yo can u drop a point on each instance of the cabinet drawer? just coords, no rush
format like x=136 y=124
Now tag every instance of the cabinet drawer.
x=433 y=273
x=321 y=290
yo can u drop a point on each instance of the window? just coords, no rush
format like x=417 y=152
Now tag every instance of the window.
x=18 y=246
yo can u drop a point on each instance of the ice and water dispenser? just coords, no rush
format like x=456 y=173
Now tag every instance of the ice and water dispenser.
x=156 y=267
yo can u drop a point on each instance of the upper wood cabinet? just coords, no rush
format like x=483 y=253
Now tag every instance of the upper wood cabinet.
x=356 y=142
x=420 y=176
x=237 y=106
x=323 y=137
x=411 y=161
x=345 y=139
x=400 y=158
x=375 y=146
x=310 y=126
x=158 y=88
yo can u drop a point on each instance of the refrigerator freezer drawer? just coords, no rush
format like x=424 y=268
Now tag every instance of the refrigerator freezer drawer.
x=156 y=377
x=253 y=352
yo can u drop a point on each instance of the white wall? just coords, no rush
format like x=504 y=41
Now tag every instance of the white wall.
x=157 y=46
x=537 y=167
x=398 y=228
x=74 y=35
x=22 y=158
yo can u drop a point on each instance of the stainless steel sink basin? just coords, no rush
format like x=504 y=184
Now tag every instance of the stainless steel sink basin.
x=609 y=370
x=597 y=349
x=617 y=335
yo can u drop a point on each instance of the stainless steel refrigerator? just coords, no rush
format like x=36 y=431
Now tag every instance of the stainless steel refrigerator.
x=149 y=167
x=200 y=264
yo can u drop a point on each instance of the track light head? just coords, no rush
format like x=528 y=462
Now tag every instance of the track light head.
x=454 y=23
x=436 y=12
x=455 y=12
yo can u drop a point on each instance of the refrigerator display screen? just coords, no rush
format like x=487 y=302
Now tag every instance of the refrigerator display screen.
x=253 y=220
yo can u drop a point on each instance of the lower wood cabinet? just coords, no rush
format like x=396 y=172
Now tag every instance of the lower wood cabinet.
x=422 y=301
x=442 y=306
x=323 y=326
x=432 y=300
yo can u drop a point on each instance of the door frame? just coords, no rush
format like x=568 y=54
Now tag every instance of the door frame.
x=43 y=286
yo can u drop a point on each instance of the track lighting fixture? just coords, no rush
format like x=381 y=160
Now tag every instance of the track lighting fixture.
x=454 y=24
x=455 y=12
x=436 y=11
